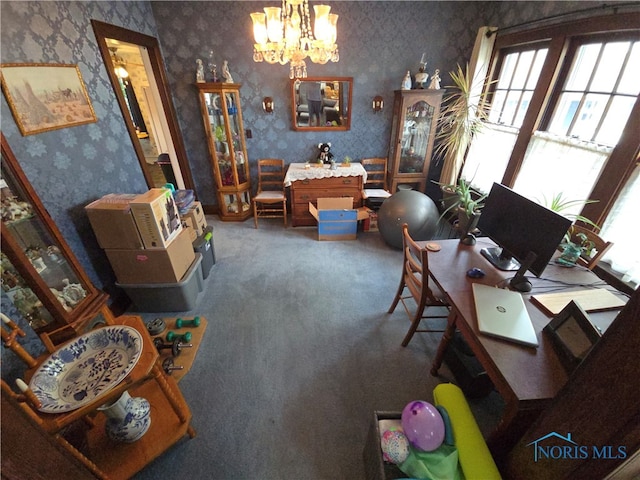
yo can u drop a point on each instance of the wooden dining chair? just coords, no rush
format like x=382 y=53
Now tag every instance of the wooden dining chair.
x=375 y=191
x=600 y=246
x=270 y=200
x=415 y=280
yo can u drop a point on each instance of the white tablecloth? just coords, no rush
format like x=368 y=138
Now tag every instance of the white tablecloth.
x=297 y=171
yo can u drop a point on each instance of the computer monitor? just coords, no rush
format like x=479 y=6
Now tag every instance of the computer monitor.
x=526 y=232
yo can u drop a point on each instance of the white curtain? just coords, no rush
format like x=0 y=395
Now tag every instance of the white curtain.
x=554 y=165
x=623 y=229
x=488 y=156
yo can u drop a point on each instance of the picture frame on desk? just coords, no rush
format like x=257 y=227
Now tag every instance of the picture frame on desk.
x=573 y=335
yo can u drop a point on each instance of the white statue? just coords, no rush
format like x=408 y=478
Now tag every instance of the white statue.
x=199 y=71
x=225 y=72
x=435 y=80
x=406 y=81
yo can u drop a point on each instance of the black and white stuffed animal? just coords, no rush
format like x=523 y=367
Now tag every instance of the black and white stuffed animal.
x=325 y=155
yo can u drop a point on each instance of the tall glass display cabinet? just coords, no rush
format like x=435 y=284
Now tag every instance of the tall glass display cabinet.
x=415 y=117
x=222 y=116
x=40 y=274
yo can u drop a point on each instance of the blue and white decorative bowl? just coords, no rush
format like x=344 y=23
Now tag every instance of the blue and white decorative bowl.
x=86 y=367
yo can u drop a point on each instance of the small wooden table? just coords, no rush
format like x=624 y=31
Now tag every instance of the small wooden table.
x=526 y=378
x=309 y=184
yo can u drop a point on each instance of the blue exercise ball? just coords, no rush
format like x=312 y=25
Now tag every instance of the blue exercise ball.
x=411 y=207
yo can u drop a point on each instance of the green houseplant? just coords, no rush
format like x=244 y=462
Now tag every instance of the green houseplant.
x=573 y=245
x=462 y=116
x=462 y=200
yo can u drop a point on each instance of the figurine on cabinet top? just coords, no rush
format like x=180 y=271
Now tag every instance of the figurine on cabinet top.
x=406 y=81
x=435 y=80
x=199 y=71
x=421 y=77
x=225 y=72
x=325 y=155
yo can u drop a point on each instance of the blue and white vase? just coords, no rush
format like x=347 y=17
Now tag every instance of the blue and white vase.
x=128 y=419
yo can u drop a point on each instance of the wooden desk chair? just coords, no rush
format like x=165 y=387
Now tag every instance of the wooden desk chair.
x=270 y=191
x=376 y=184
x=600 y=246
x=415 y=278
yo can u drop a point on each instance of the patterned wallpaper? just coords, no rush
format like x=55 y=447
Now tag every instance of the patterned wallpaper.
x=379 y=41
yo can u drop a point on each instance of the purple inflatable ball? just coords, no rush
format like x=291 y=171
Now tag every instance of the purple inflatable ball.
x=411 y=207
x=422 y=425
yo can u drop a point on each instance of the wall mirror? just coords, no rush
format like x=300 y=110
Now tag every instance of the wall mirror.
x=321 y=103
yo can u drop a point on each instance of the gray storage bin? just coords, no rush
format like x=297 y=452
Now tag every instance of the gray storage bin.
x=204 y=246
x=168 y=297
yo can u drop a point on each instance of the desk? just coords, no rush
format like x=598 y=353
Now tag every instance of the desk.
x=309 y=184
x=526 y=378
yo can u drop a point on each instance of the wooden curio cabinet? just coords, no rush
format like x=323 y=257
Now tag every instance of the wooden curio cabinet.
x=415 y=117
x=40 y=274
x=222 y=117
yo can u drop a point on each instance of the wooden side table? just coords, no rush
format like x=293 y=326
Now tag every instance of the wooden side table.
x=104 y=458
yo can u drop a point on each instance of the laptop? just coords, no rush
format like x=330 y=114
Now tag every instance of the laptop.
x=502 y=313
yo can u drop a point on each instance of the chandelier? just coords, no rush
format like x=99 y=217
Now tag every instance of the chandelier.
x=118 y=64
x=284 y=35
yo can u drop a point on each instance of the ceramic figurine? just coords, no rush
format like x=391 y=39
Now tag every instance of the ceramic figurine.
x=406 y=81
x=199 y=71
x=225 y=72
x=435 y=81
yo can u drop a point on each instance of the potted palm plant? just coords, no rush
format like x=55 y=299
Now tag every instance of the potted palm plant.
x=462 y=116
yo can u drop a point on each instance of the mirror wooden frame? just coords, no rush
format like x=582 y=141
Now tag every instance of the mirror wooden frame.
x=342 y=115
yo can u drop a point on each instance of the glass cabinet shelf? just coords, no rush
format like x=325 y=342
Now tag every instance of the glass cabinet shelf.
x=415 y=116
x=40 y=275
x=222 y=116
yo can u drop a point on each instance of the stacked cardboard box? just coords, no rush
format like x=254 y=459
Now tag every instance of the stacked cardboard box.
x=193 y=220
x=142 y=236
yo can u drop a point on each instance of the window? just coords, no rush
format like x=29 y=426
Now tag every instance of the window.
x=564 y=118
x=599 y=93
x=513 y=91
x=518 y=78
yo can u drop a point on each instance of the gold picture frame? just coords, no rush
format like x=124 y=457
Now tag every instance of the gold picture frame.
x=44 y=97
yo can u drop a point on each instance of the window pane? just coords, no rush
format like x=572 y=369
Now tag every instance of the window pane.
x=629 y=83
x=586 y=57
x=565 y=111
x=482 y=169
x=609 y=66
x=616 y=119
x=551 y=160
x=621 y=228
x=506 y=73
x=522 y=110
x=522 y=69
x=536 y=68
x=509 y=110
x=496 y=106
x=589 y=116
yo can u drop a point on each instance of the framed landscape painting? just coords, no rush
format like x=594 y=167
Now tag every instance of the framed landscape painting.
x=45 y=97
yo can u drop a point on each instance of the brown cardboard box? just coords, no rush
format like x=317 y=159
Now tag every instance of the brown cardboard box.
x=113 y=223
x=157 y=218
x=155 y=265
x=194 y=218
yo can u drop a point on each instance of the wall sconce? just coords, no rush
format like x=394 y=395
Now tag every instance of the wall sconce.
x=378 y=104
x=267 y=104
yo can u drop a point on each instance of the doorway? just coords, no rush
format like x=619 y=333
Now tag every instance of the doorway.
x=136 y=71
